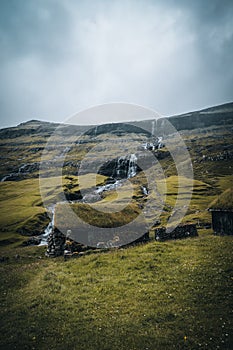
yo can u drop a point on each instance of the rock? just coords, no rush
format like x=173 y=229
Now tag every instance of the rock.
x=121 y=167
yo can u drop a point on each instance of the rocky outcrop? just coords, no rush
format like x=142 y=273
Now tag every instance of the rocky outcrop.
x=121 y=167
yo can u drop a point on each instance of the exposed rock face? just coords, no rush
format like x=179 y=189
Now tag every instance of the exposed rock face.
x=181 y=231
x=73 y=196
x=24 y=169
x=121 y=167
x=117 y=129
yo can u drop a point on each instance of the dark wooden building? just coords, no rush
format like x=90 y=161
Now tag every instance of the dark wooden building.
x=222 y=213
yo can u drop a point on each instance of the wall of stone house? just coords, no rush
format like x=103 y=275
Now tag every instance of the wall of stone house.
x=222 y=222
x=181 y=231
x=56 y=243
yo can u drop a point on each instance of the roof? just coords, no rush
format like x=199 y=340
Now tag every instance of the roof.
x=224 y=202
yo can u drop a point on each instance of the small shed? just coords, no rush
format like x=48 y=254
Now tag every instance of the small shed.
x=222 y=213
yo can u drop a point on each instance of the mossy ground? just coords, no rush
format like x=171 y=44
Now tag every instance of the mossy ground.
x=173 y=295
x=168 y=295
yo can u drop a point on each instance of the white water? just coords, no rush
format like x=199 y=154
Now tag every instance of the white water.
x=153 y=128
x=108 y=187
x=49 y=228
x=132 y=170
x=144 y=190
x=160 y=142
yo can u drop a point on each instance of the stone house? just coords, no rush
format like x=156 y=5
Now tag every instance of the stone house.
x=222 y=213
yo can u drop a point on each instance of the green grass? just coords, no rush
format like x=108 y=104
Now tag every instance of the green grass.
x=146 y=297
x=21 y=207
x=224 y=201
x=20 y=203
x=156 y=296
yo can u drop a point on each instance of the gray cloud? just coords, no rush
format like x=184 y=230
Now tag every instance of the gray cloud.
x=58 y=57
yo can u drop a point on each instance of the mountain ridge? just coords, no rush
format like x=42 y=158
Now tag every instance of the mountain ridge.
x=225 y=108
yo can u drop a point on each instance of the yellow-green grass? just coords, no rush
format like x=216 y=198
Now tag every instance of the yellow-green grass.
x=157 y=296
x=19 y=201
x=21 y=204
x=124 y=204
x=95 y=217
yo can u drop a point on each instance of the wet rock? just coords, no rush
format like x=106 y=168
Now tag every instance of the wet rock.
x=73 y=196
x=121 y=167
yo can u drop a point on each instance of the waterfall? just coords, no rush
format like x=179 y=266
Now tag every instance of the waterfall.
x=49 y=228
x=144 y=190
x=96 y=129
x=160 y=142
x=153 y=128
x=132 y=167
x=125 y=167
x=108 y=187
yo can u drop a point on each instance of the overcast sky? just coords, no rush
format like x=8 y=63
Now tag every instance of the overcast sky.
x=61 y=56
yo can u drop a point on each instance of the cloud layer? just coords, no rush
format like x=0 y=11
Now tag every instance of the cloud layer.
x=59 y=57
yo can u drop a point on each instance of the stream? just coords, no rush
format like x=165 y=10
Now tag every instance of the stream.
x=95 y=196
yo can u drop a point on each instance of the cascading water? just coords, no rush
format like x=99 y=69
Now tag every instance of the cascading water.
x=160 y=142
x=125 y=167
x=144 y=190
x=108 y=187
x=49 y=228
x=132 y=167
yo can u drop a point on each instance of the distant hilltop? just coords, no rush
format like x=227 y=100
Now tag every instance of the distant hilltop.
x=216 y=115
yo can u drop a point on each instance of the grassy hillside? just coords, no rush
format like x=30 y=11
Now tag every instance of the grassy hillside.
x=157 y=296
